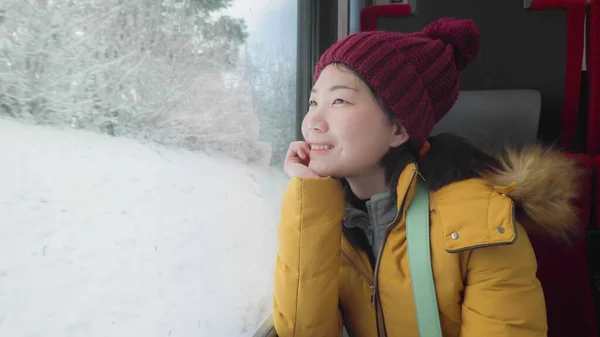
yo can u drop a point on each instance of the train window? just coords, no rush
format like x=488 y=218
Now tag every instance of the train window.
x=141 y=169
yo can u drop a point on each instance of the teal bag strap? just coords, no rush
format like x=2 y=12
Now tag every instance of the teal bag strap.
x=419 y=258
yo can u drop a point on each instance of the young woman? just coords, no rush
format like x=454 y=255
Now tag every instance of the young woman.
x=342 y=257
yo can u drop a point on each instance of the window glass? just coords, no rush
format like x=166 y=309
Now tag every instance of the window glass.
x=142 y=144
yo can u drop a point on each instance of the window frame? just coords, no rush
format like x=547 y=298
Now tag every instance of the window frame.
x=317 y=31
x=319 y=26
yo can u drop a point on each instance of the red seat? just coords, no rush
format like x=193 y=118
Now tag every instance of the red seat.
x=593 y=77
x=369 y=15
x=563 y=269
x=593 y=72
x=563 y=272
x=597 y=202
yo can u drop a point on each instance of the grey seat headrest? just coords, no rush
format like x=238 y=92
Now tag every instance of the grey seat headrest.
x=493 y=119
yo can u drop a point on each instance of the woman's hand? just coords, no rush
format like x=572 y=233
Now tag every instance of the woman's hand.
x=297 y=159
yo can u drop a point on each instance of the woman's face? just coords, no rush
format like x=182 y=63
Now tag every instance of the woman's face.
x=347 y=129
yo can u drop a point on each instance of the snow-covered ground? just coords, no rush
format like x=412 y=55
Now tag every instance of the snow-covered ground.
x=109 y=237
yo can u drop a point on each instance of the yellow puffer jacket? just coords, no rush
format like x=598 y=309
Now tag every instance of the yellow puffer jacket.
x=483 y=263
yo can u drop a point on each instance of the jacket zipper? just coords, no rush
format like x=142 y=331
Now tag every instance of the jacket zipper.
x=381 y=331
x=371 y=286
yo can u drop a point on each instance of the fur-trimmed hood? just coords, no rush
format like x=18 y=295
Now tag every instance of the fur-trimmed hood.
x=543 y=183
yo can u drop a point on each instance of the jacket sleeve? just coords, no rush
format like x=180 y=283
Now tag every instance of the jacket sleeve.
x=306 y=288
x=503 y=296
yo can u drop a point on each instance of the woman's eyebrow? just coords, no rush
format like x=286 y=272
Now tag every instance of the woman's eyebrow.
x=336 y=87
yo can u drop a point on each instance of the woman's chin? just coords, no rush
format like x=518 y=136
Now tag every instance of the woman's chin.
x=321 y=170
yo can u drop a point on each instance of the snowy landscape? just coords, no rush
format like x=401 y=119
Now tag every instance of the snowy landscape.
x=103 y=236
x=141 y=148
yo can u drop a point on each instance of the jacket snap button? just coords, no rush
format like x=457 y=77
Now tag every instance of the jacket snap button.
x=454 y=235
x=500 y=230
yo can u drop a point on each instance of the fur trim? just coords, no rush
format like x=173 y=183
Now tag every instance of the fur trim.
x=547 y=184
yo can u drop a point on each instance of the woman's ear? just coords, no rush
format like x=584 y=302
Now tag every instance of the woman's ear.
x=399 y=135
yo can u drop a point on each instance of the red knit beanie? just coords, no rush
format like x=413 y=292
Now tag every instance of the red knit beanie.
x=415 y=74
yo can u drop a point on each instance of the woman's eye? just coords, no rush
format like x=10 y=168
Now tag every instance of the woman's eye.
x=312 y=103
x=339 y=101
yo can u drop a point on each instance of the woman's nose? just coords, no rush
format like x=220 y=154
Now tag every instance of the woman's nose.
x=317 y=125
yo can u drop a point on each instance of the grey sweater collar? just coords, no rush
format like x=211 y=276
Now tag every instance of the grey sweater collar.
x=381 y=211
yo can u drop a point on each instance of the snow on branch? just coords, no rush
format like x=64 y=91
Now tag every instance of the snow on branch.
x=153 y=70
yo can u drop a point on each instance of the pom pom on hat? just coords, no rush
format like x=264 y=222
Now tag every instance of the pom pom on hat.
x=462 y=35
